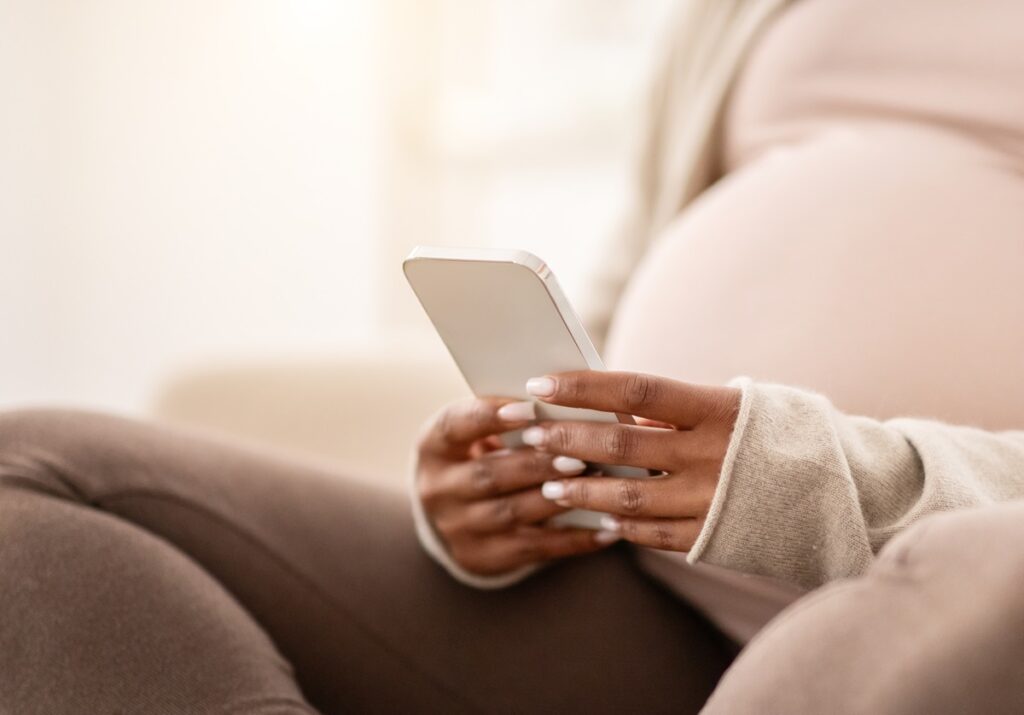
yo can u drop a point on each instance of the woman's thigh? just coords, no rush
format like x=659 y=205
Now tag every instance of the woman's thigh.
x=98 y=616
x=331 y=571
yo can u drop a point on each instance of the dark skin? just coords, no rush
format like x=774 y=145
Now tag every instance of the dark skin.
x=491 y=505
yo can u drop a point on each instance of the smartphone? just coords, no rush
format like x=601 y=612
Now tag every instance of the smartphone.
x=504 y=319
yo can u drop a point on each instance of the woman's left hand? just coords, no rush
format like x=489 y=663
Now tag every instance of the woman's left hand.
x=685 y=433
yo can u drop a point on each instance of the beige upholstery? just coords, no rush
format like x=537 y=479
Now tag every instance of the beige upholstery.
x=359 y=412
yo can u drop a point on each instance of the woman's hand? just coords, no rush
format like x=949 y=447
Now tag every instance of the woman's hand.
x=485 y=502
x=685 y=434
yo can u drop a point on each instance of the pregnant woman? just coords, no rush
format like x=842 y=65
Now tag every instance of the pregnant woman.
x=862 y=241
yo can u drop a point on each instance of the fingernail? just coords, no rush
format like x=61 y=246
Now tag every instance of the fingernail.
x=552 y=490
x=606 y=537
x=568 y=465
x=534 y=436
x=541 y=386
x=517 y=412
x=610 y=523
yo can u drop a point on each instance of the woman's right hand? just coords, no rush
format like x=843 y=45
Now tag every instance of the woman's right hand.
x=485 y=501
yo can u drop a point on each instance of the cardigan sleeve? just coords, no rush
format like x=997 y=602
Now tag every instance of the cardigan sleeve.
x=809 y=494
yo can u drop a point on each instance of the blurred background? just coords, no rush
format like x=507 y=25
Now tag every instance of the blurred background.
x=204 y=183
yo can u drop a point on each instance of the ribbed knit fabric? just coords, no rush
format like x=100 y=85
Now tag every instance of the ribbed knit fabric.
x=704 y=45
x=813 y=494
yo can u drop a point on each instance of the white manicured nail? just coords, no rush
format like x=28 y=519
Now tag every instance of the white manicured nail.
x=540 y=386
x=568 y=465
x=534 y=436
x=606 y=537
x=517 y=412
x=552 y=490
x=610 y=523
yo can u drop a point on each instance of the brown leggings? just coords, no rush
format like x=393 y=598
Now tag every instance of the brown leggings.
x=148 y=570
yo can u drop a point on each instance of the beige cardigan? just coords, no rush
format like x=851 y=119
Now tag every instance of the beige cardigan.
x=703 y=48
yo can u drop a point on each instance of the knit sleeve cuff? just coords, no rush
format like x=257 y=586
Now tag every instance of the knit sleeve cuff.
x=785 y=505
x=728 y=464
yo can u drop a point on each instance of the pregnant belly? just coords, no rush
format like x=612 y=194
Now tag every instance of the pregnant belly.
x=882 y=265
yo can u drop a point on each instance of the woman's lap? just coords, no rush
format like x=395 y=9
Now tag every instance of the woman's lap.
x=249 y=546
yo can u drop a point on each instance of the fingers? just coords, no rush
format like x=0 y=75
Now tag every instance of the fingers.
x=657 y=398
x=672 y=496
x=667 y=534
x=457 y=426
x=607 y=443
x=502 y=513
x=497 y=473
x=499 y=554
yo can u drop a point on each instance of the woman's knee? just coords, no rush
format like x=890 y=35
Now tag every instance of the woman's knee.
x=33 y=448
x=21 y=427
x=69 y=453
x=96 y=615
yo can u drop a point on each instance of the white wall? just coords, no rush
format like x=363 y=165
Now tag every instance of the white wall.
x=179 y=179
x=193 y=181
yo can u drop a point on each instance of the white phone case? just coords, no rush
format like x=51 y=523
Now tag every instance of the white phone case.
x=504 y=319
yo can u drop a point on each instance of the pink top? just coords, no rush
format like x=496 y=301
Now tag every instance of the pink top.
x=867 y=242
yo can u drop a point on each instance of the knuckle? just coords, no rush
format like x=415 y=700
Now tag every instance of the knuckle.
x=559 y=438
x=482 y=477
x=474 y=415
x=503 y=511
x=663 y=536
x=638 y=391
x=579 y=490
x=570 y=388
x=538 y=463
x=444 y=424
x=480 y=412
x=630 y=496
x=620 y=443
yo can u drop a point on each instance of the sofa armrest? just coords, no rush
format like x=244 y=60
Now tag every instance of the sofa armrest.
x=359 y=412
